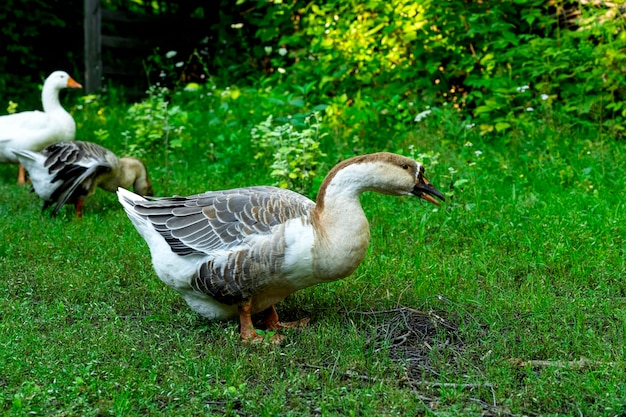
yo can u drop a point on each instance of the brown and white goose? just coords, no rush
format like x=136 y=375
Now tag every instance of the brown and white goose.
x=239 y=252
x=70 y=172
x=34 y=130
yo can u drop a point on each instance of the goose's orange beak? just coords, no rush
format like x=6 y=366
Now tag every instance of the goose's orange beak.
x=71 y=83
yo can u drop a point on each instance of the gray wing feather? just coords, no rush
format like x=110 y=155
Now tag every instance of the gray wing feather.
x=224 y=219
x=71 y=189
x=245 y=272
x=245 y=224
x=75 y=165
x=63 y=154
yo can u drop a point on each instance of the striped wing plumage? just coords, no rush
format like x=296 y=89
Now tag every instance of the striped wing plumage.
x=75 y=165
x=240 y=230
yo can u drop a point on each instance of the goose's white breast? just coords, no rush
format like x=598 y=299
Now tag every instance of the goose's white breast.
x=298 y=260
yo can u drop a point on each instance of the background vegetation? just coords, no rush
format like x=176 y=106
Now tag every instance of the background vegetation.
x=507 y=300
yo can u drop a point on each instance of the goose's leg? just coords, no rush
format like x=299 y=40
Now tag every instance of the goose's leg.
x=246 y=328
x=271 y=321
x=21 y=174
x=79 y=207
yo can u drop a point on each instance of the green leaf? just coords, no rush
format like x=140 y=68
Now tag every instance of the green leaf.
x=482 y=109
x=500 y=126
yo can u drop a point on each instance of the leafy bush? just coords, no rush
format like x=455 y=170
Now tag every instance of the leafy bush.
x=295 y=154
x=27 y=54
x=369 y=60
x=155 y=123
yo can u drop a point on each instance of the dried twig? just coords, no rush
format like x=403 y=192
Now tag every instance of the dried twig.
x=579 y=364
x=448 y=385
x=421 y=384
x=347 y=374
x=498 y=410
x=393 y=310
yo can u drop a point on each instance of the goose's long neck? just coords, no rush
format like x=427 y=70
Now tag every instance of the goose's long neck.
x=50 y=99
x=342 y=228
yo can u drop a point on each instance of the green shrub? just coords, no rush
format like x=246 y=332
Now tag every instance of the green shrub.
x=154 y=123
x=295 y=154
x=369 y=60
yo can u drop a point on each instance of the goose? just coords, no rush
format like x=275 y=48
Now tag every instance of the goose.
x=34 y=130
x=71 y=172
x=239 y=252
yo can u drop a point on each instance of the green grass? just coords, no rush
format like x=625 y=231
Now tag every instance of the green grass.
x=524 y=262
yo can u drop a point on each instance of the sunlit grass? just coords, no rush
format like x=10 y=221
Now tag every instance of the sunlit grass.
x=526 y=258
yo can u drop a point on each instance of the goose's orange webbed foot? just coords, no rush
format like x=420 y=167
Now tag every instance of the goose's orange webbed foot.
x=270 y=321
x=246 y=328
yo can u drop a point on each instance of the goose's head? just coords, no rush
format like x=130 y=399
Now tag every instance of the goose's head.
x=383 y=172
x=424 y=189
x=133 y=173
x=59 y=80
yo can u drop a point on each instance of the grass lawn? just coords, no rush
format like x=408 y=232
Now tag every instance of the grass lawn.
x=509 y=299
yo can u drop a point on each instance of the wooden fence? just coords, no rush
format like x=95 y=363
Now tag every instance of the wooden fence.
x=117 y=43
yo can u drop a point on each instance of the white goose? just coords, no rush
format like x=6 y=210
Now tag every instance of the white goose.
x=34 y=130
x=71 y=172
x=240 y=251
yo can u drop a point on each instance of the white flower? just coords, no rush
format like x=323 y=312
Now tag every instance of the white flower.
x=282 y=51
x=478 y=153
x=470 y=125
x=268 y=50
x=236 y=25
x=522 y=88
x=468 y=144
x=170 y=54
x=179 y=64
x=529 y=109
x=422 y=115
x=544 y=97
x=281 y=70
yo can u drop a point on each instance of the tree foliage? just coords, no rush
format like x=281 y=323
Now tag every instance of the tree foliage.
x=496 y=61
x=36 y=38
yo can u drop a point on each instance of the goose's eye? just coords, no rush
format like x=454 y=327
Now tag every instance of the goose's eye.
x=405 y=166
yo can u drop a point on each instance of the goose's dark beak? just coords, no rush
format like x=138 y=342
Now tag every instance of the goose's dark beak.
x=425 y=190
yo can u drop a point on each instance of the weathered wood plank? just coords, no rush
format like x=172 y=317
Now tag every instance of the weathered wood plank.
x=124 y=40
x=93 y=49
